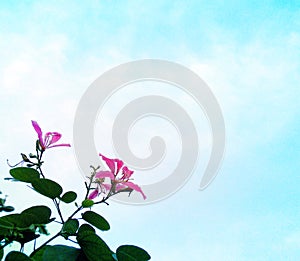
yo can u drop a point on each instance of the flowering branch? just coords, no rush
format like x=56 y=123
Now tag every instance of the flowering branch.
x=31 y=223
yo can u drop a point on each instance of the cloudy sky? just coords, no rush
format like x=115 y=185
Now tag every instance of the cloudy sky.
x=248 y=53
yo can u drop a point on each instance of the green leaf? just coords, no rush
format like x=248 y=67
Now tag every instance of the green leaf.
x=43 y=230
x=86 y=227
x=18 y=228
x=1 y=253
x=70 y=228
x=38 y=214
x=82 y=256
x=132 y=253
x=5 y=223
x=4 y=232
x=94 y=247
x=87 y=203
x=26 y=236
x=60 y=253
x=15 y=220
x=69 y=197
x=24 y=174
x=24 y=225
x=57 y=252
x=96 y=220
x=16 y=256
x=47 y=187
x=37 y=255
x=8 y=208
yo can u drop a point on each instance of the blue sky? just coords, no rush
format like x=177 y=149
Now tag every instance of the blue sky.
x=248 y=53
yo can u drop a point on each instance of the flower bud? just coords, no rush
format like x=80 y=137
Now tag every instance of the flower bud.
x=24 y=157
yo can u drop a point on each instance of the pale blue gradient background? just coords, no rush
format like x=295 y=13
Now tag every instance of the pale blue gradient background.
x=248 y=53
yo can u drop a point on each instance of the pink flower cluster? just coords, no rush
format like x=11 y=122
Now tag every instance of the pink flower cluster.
x=119 y=175
x=119 y=179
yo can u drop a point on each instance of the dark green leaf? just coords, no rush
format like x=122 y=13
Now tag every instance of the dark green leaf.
x=57 y=252
x=1 y=253
x=70 y=228
x=87 y=203
x=8 y=209
x=16 y=256
x=94 y=247
x=82 y=257
x=96 y=220
x=4 y=232
x=22 y=227
x=60 y=253
x=86 y=227
x=47 y=187
x=38 y=214
x=15 y=220
x=17 y=228
x=43 y=230
x=132 y=253
x=38 y=255
x=69 y=197
x=25 y=174
x=5 y=223
x=26 y=236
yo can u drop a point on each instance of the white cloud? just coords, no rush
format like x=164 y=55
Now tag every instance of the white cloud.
x=255 y=86
x=293 y=240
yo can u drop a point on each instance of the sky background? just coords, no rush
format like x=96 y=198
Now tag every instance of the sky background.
x=246 y=51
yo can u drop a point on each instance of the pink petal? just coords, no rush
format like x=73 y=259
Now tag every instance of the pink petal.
x=104 y=174
x=134 y=187
x=120 y=186
x=93 y=194
x=109 y=162
x=126 y=173
x=37 y=128
x=39 y=132
x=55 y=136
x=119 y=164
x=107 y=187
x=60 y=145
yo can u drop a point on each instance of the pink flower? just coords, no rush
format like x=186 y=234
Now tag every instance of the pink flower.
x=101 y=188
x=118 y=183
x=49 y=138
x=94 y=194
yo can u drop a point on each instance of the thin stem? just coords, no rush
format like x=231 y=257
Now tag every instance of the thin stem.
x=58 y=210
x=39 y=164
x=75 y=212
x=12 y=166
x=80 y=208
x=48 y=241
x=88 y=187
x=103 y=201
x=73 y=241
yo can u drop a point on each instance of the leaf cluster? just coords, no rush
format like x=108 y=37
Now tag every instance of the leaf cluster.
x=31 y=223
